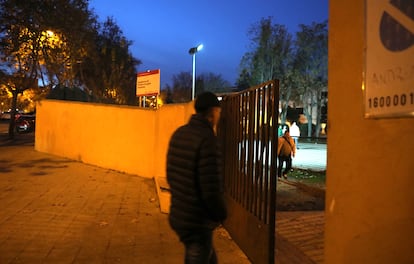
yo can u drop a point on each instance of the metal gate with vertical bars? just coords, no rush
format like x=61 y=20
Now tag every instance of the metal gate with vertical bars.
x=248 y=134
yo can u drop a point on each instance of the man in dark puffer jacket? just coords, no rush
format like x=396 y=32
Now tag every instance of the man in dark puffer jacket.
x=194 y=176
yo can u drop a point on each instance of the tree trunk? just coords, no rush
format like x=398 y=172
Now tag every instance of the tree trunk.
x=285 y=103
x=283 y=114
x=318 y=113
x=308 y=114
x=12 y=123
x=309 y=117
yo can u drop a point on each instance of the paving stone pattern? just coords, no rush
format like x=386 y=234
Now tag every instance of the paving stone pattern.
x=55 y=210
x=303 y=232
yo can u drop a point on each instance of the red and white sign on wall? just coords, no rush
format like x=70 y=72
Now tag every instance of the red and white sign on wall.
x=389 y=58
x=148 y=83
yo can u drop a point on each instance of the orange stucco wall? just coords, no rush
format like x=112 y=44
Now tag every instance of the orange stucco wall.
x=128 y=139
x=370 y=169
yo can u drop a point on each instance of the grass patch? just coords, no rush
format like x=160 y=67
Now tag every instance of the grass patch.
x=314 y=178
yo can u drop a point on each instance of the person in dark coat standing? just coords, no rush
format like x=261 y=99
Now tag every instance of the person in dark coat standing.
x=194 y=175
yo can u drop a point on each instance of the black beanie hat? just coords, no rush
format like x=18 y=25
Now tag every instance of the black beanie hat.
x=206 y=100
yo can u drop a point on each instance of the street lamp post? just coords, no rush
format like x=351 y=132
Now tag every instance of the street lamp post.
x=193 y=52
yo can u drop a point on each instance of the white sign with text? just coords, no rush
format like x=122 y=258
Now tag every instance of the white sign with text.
x=148 y=83
x=389 y=58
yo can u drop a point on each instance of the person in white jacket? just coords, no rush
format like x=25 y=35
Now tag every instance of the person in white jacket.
x=295 y=133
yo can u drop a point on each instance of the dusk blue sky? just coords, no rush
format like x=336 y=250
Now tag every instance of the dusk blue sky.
x=163 y=31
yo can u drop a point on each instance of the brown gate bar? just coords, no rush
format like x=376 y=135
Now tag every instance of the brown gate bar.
x=248 y=132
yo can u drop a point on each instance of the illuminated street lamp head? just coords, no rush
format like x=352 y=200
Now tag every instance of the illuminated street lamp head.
x=194 y=50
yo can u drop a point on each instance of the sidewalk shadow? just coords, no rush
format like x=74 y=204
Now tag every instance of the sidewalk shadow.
x=5 y=165
x=25 y=139
x=45 y=163
x=38 y=167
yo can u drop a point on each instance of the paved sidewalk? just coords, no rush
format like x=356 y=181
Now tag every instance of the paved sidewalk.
x=55 y=210
x=303 y=232
x=310 y=156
